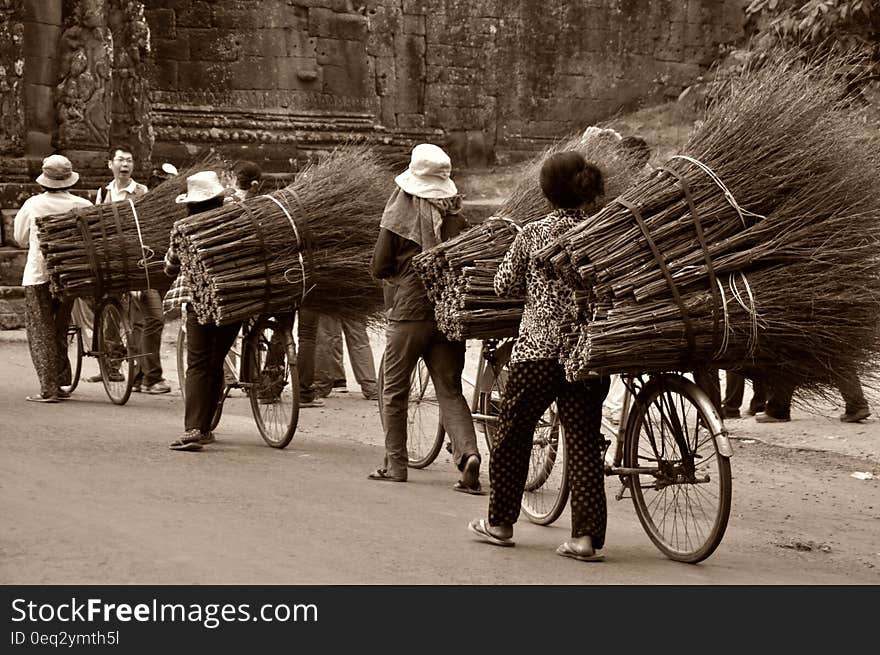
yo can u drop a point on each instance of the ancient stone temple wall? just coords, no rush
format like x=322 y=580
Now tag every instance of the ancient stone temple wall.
x=493 y=79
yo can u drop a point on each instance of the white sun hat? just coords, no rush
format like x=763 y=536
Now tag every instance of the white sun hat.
x=57 y=173
x=428 y=173
x=202 y=186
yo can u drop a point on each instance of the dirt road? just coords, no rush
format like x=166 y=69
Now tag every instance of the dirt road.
x=91 y=494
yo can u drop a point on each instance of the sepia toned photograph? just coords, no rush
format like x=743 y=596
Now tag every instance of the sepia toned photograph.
x=439 y=293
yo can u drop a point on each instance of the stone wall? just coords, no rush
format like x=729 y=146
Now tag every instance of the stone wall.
x=493 y=79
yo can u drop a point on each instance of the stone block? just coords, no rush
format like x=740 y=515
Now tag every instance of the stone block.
x=342 y=81
x=300 y=43
x=176 y=49
x=39 y=107
x=414 y=25
x=40 y=40
x=321 y=22
x=166 y=75
x=7 y=226
x=411 y=121
x=162 y=22
x=385 y=75
x=347 y=54
x=253 y=73
x=351 y=27
x=205 y=76
x=298 y=73
x=38 y=144
x=229 y=19
x=267 y=42
x=12 y=261
x=40 y=70
x=12 y=310
x=215 y=45
x=44 y=11
x=423 y=7
x=196 y=14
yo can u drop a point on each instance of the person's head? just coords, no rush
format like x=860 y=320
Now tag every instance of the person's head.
x=428 y=173
x=121 y=162
x=203 y=192
x=636 y=149
x=248 y=179
x=569 y=181
x=58 y=174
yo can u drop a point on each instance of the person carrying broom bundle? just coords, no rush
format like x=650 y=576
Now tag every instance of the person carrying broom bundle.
x=423 y=211
x=537 y=377
x=207 y=344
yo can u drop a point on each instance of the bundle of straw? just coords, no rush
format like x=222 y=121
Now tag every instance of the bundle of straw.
x=114 y=247
x=309 y=244
x=458 y=274
x=773 y=256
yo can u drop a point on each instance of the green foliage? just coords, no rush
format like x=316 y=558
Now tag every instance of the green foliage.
x=853 y=25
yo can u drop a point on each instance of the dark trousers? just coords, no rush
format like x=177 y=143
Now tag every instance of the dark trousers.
x=779 y=396
x=707 y=379
x=306 y=336
x=46 y=323
x=734 y=389
x=531 y=388
x=206 y=347
x=147 y=323
x=405 y=342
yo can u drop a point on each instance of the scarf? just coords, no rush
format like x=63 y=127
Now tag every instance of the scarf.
x=418 y=219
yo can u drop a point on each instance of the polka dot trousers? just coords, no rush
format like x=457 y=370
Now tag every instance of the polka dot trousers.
x=531 y=387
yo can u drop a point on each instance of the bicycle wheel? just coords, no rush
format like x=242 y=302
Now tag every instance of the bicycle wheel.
x=272 y=380
x=424 y=429
x=74 y=356
x=546 y=490
x=115 y=352
x=182 y=360
x=682 y=490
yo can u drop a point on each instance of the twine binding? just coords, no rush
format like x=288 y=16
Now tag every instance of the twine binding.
x=299 y=241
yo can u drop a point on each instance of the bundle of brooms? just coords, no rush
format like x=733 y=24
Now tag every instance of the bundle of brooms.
x=458 y=274
x=769 y=261
x=115 y=247
x=309 y=244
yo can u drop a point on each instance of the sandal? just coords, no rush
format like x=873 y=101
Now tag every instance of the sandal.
x=382 y=475
x=42 y=399
x=567 y=550
x=473 y=491
x=480 y=527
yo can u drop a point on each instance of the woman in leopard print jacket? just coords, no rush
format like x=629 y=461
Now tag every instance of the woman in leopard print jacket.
x=537 y=377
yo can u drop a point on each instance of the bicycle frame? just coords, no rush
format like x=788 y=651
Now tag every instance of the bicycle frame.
x=634 y=384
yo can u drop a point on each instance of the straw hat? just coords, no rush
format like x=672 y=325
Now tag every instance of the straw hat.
x=57 y=173
x=428 y=173
x=201 y=186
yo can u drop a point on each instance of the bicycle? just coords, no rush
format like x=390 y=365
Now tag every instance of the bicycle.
x=111 y=345
x=672 y=454
x=263 y=364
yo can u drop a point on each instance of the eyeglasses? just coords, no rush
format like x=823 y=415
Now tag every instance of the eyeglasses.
x=123 y=160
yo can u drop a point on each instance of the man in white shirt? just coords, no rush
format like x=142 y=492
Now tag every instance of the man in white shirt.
x=147 y=319
x=46 y=318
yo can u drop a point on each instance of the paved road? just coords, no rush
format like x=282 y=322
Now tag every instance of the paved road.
x=92 y=495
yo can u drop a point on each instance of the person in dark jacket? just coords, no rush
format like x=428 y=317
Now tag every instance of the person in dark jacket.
x=206 y=345
x=424 y=210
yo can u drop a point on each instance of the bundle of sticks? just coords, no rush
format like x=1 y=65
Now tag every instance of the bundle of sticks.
x=458 y=274
x=756 y=248
x=309 y=244
x=114 y=247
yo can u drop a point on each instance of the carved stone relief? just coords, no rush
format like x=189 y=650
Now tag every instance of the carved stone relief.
x=130 y=77
x=83 y=94
x=11 y=82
